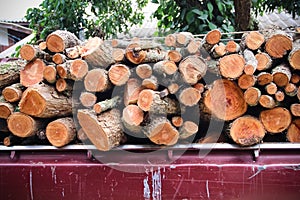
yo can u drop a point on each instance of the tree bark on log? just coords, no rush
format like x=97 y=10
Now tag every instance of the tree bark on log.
x=160 y=131
x=103 y=106
x=97 y=53
x=247 y=131
x=59 y=40
x=251 y=62
x=10 y=72
x=43 y=101
x=61 y=132
x=104 y=131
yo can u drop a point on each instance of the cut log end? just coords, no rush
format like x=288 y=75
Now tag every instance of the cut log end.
x=50 y=73
x=188 y=129
x=293 y=133
x=13 y=93
x=254 y=40
x=21 y=124
x=247 y=131
x=252 y=96
x=189 y=96
x=32 y=73
x=278 y=45
x=213 y=37
x=119 y=74
x=276 y=120
x=232 y=66
x=192 y=69
x=61 y=132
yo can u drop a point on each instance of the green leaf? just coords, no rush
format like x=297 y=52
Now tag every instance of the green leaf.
x=212 y=26
x=190 y=17
x=197 y=11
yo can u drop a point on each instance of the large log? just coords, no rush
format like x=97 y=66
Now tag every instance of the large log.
x=225 y=100
x=43 y=101
x=247 y=131
x=232 y=66
x=32 y=73
x=278 y=43
x=276 y=120
x=97 y=53
x=119 y=74
x=105 y=130
x=59 y=40
x=22 y=125
x=253 y=40
x=61 y=132
x=294 y=56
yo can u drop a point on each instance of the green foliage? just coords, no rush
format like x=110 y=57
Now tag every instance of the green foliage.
x=110 y=16
x=195 y=16
x=291 y=6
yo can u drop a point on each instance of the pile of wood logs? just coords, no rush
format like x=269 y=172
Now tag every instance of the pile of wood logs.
x=162 y=91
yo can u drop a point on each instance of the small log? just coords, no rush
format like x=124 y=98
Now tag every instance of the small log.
x=160 y=131
x=132 y=90
x=174 y=55
x=64 y=85
x=88 y=99
x=279 y=96
x=246 y=81
x=291 y=89
x=293 y=133
x=103 y=106
x=50 y=73
x=183 y=39
x=264 y=78
x=264 y=61
x=136 y=54
x=32 y=73
x=232 y=66
x=177 y=121
x=97 y=80
x=165 y=67
x=132 y=117
x=247 y=131
x=278 y=43
x=13 y=93
x=252 y=96
x=150 y=101
x=42 y=45
x=81 y=135
x=6 y=109
x=118 y=54
x=193 y=46
x=294 y=56
x=73 y=69
x=200 y=87
x=276 y=120
x=119 y=74
x=271 y=88
x=97 y=53
x=267 y=101
x=143 y=71
x=61 y=132
x=219 y=50
x=251 y=62
x=43 y=101
x=59 y=58
x=253 y=40
x=12 y=140
x=192 y=69
x=295 y=78
x=170 y=40
x=213 y=37
x=188 y=129
x=173 y=88
x=30 y=52
x=150 y=83
x=189 y=96
x=59 y=40
x=104 y=130
x=295 y=109
x=10 y=72
x=22 y=125
x=281 y=75
x=225 y=100
x=73 y=52
x=232 y=47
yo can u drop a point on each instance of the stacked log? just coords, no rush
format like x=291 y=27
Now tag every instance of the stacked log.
x=152 y=90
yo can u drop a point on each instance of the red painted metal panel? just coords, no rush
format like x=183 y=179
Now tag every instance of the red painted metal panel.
x=222 y=174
